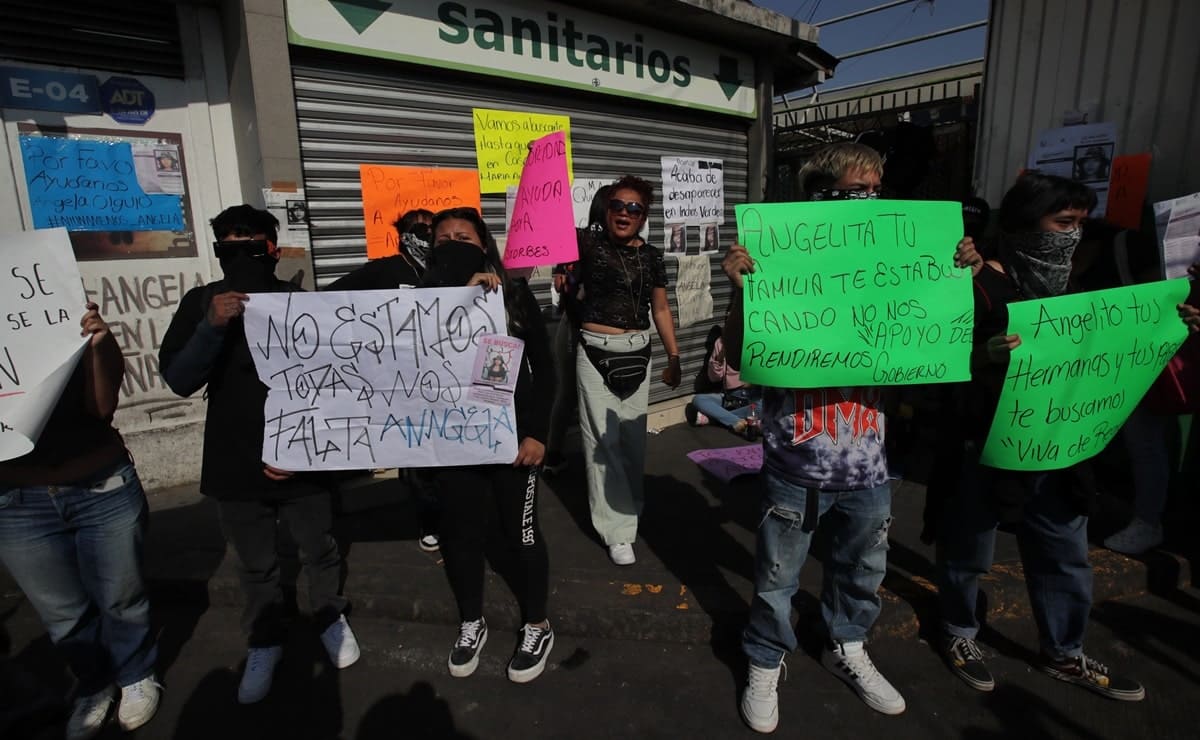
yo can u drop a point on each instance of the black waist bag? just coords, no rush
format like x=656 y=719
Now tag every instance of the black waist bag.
x=622 y=372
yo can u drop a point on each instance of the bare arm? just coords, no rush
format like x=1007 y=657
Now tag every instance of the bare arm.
x=103 y=366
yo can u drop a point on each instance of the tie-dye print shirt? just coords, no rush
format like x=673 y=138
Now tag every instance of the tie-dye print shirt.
x=826 y=438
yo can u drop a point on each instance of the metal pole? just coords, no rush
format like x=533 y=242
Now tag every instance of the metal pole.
x=858 y=13
x=913 y=40
x=943 y=68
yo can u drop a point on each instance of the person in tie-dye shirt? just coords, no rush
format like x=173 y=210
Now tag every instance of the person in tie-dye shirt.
x=823 y=461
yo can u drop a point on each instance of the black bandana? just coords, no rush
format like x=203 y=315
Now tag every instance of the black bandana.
x=1040 y=261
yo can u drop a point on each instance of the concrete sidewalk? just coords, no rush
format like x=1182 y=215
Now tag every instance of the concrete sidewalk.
x=692 y=578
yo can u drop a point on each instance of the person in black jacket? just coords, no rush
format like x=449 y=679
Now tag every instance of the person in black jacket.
x=465 y=254
x=206 y=345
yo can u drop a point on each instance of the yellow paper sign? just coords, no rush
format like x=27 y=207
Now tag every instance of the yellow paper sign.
x=388 y=192
x=502 y=140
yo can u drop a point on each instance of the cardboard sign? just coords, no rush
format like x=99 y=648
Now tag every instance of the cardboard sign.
x=378 y=378
x=1084 y=362
x=388 y=192
x=852 y=293
x=542 y=228
x=502 y=140
x=42 y=301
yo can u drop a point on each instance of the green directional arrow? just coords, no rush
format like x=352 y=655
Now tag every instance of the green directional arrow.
x=360 y=14
x=727 y=76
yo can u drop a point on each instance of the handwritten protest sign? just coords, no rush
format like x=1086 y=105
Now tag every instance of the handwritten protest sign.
x=88 y=185
x=693 y=294
x=502 y=140
x=693 y=191
x=727 y=463
x=542 y=228
x=42 y=301
x=377 y=378
x=389 y=192
x=1084 y=362
x=855 y=293
x=1127 y=190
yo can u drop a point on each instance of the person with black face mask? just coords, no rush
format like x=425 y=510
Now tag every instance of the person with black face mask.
x=1040 y=220
x=206 y=345
x=477 y=500
x=404 y=270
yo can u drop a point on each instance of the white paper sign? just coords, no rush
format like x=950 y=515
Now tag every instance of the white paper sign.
x=1083 y=153
x=693 y=191
x=692 y=290
x=290 y=207
x=42 y=301
x=378 y=378
x=1181 y=236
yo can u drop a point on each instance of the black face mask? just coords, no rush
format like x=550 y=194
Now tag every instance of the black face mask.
x=247 y=274
x=451 y=264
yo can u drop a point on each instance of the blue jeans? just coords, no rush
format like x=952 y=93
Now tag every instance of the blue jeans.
x=76 y=552
x=857 y=562
x=709 y=404
x=1052 y=539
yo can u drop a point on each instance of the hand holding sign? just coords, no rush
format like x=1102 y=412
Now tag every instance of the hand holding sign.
x=40 y=344
x=542 y=231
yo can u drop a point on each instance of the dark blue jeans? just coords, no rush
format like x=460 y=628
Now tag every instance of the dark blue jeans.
x=76 y=552
x=858 y=524
x=1052 y=539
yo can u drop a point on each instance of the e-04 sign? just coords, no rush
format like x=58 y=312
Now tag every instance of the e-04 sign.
x=45 y=89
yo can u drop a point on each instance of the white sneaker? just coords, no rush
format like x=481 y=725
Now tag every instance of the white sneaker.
x=429 y=543
x=260 y=670
x=139 y=702
x=1138 y=537
x=850 y=662
x=340 y=643
x=622 y=554
x=760 y=700
x=89 y=714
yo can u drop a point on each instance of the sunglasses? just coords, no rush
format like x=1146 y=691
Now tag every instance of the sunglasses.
x=633 y=208
x=248 y=247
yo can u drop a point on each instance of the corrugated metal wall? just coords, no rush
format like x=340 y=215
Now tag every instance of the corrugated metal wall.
x=403 y=115
x=1134 y=61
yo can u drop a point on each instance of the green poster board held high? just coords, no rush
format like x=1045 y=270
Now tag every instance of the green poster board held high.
x=851 y=293
x=1084 y=362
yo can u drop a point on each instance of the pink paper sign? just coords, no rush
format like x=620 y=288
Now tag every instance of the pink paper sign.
x=728 y=463
x=542 y=231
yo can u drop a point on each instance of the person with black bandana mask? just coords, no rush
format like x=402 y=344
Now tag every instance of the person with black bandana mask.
x=480 y=502
x=1040 y=226
x=206 y=345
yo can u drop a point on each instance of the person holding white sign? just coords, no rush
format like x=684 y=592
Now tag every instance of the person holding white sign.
x=624 y=287
x=73 y=517
x=464 y=253
x=205 y=345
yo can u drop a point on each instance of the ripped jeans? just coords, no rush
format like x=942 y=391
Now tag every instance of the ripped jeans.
x=857 y=523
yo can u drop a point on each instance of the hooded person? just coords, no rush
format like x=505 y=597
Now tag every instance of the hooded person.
x=205 y=346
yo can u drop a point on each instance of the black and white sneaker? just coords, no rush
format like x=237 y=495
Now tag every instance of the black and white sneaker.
x=1093 y=675
x=966 y=660
x=464 y=656
x=530 y=659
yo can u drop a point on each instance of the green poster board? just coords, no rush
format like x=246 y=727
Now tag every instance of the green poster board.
x=861 y=292
x=1084 y=362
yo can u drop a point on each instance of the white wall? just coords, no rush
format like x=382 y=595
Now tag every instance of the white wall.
x=138 y=296
x=1131 y=62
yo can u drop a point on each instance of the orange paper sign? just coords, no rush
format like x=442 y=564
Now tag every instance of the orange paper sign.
x=389 y=192
x=1127 y=190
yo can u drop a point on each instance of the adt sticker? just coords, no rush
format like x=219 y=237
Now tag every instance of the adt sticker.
x=127 y=100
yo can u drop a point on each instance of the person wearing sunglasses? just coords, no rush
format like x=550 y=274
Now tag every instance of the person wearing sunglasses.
x=623 y=287
x=206 y=345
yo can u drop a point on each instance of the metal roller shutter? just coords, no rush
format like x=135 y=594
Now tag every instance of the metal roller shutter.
x=349 y=116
